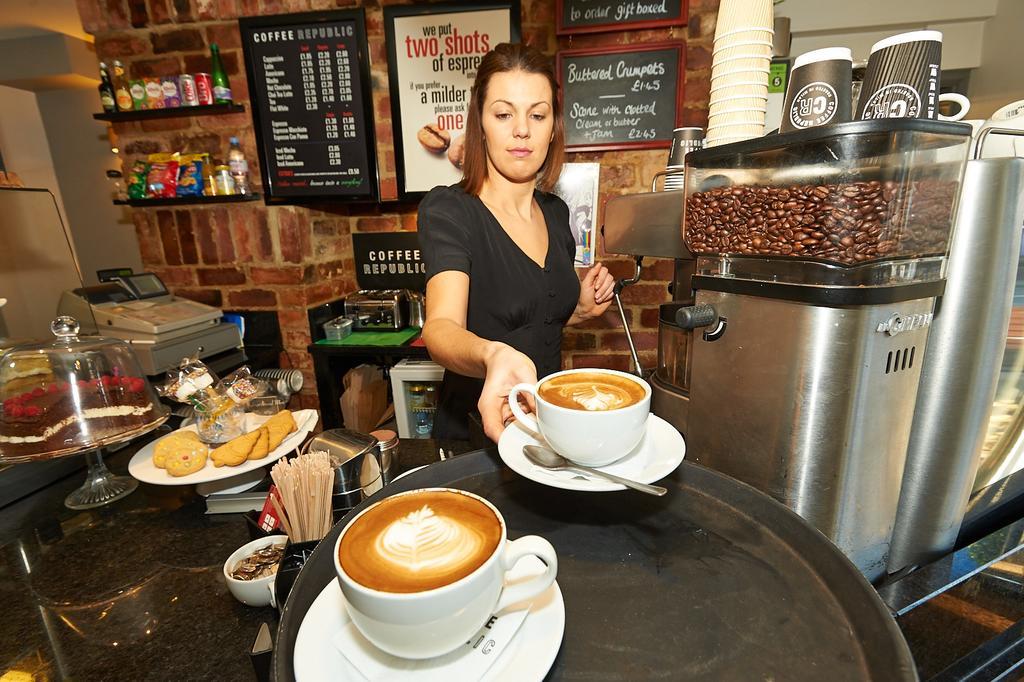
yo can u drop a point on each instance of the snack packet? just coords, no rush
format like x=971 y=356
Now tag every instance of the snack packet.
x=137 y=180
x=162 y=178
x=241 y=386
x=190 y=383
x=190 y=175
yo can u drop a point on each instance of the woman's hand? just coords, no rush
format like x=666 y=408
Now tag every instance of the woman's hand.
x=596 y=292
x=506 y=367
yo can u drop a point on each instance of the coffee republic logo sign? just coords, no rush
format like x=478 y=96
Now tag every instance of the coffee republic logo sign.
x=899 y=323
x=814 y=105
x=898 y=100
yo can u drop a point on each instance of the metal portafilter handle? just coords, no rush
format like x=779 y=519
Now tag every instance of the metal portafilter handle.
x=693 y=316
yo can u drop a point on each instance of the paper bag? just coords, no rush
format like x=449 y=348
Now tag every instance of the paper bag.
x=365 y=398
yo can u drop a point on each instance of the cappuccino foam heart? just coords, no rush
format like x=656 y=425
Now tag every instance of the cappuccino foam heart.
x=420 y=541
x=591 y=391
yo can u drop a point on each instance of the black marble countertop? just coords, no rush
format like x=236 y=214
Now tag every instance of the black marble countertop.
x=133 y=590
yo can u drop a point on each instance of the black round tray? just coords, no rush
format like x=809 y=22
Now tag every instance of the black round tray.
x=713 y=581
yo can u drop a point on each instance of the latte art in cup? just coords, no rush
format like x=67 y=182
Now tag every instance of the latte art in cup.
x=419 y=542
x=591 y=391
x=422 y=571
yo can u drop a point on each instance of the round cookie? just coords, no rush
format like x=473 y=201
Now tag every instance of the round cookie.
x=187 y=461
x=180 y=440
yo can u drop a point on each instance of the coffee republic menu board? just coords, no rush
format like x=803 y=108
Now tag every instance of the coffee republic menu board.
x=309 y=84
x=621 y=98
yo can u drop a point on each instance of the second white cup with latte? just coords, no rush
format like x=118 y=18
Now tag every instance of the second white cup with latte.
x=590 y=416
x=423 y=570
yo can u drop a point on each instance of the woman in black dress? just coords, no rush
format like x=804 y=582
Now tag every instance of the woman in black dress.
x=498 y=248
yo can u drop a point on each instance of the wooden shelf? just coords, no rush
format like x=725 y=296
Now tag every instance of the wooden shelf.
x=148 y=114
x=186 y=201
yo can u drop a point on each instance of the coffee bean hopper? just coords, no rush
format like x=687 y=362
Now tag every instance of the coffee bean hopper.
x=816 y=260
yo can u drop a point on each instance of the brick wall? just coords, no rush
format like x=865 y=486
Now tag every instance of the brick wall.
x=289 y=259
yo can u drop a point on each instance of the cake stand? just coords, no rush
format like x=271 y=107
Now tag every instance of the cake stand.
x=74 y=396
x=101 y=486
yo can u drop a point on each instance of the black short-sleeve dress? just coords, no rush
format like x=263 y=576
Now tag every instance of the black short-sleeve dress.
x=511 y=298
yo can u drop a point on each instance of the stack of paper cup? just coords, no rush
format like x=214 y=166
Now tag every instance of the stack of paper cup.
x=739 y=71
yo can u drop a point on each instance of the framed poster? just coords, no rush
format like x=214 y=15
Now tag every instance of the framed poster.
x=309 y=85
x=624 y=97
x=433 y=54
x=578 y=188
x=596 y=16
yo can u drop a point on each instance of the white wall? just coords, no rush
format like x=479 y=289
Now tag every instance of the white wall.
x=858 y=25
x=103 y=233
x=51 y=140
x=23 y=141
x=1000 y=78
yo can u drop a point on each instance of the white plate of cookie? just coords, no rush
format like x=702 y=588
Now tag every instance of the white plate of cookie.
x=180 y=458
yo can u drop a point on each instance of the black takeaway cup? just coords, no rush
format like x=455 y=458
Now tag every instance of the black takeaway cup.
x=902 y=78
x=819 y=90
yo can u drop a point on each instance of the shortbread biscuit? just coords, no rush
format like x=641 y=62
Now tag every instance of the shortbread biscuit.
x=262 y=447
x=279 y=426
x=236 y=451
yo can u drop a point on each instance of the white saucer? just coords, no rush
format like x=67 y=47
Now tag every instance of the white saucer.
x=658 y=454
x=142 y=468
x=406 y=473
x=527 y=657
x=235 y=484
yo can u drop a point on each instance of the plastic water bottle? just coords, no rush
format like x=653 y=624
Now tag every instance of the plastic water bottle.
x=239 y=167
x=424 y=424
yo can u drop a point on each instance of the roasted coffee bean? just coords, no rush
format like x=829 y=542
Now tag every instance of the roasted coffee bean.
x=847 y=222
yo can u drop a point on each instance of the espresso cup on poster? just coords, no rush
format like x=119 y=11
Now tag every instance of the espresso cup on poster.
x=590 y=416
x=422 y=571
x=902 y=79
x=819 y=90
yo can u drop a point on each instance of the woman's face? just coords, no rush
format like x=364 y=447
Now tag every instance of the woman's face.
x=518 y=122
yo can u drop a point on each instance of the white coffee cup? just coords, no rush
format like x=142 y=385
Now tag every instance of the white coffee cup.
x=419 y=625
x=591 y=438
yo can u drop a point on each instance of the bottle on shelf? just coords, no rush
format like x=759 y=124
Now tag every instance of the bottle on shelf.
x=122 y=93
x=221 y=85
x=106 y=89
x=239 y=167
x=117 y=185
x=223 y=183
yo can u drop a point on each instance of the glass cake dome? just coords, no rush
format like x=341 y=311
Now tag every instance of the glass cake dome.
x=71 y=395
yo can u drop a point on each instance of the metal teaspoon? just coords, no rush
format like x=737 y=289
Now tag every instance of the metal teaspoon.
x=550 y=459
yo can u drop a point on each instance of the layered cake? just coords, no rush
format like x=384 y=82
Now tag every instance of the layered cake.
x=60 y=415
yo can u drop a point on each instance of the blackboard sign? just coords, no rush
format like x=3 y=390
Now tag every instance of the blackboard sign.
x=388 y=260
x=593 y=16
x=621 y=98
x=309 y=83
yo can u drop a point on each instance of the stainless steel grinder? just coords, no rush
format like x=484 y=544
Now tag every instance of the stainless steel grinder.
x=820 y=254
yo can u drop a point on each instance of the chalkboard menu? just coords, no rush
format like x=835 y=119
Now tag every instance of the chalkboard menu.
x=621 y=98
x=309 y=84
x=592 y=16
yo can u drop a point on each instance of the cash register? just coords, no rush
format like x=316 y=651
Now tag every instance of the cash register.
x=160 y=327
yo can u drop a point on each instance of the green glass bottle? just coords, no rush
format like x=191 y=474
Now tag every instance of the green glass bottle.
x=106 y=90
x=221 y=85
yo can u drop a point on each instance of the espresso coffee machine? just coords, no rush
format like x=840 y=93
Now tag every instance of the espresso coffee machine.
x=816 y=261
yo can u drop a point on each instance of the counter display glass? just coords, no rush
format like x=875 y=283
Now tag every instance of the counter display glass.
x=1002 y=452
